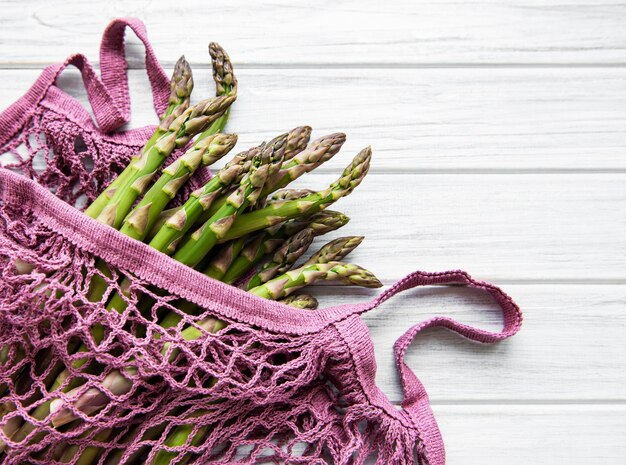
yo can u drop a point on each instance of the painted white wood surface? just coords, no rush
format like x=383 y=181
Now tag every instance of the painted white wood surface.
x=426 y=120
x=570 y=350
x=499 y=142
x=345 y=32
x=539 y=434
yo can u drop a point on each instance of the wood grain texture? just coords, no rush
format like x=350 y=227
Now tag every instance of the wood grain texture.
x=498 y=137
x=470 y=120
x=569 y=350
x=537 y=434
x=505 y=227
x=348 y=32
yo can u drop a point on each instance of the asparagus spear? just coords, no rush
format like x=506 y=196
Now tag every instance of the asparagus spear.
x=178 y=129
x=271 y=238
x=179 y=223
x=287 y=283
x=242 y=161
x=262 y=243
x=225 y=83
x=302 y=301
x=181 y=86
x=118 y=383
x=199 y=244
x=205 y=238
x=202 y=241
x=289 y=194
x=297 y=140
x=205 y=151
x=225 y=80
x=320 y=151
x=335 y=250
x=140 y=220
x=281 y=211
x=199 y=198
x=284 y=258
x=219 y=265
x=179 y=437
x=193 y=120
x=224 y=258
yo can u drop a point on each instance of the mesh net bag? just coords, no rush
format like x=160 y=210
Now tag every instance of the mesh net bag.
x=241 y=380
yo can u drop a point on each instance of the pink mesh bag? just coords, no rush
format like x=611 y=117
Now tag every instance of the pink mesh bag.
x=274 y=385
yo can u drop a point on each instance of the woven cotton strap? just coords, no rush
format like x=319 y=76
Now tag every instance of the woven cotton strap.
x=416 y=402
x=108 y=96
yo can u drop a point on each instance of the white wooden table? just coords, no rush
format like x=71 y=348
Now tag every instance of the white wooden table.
x=499 y=136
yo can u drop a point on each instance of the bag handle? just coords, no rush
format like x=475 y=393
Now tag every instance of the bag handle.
x=113 y=66
x=108 y=96
x=416 y=402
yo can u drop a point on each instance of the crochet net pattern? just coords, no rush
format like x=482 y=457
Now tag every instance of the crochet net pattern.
x=257 y=395
x=269 y=385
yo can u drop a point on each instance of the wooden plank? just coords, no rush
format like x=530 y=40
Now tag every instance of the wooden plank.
x=569 y=349
x=538 y=434
x=431 y=120
x=338 y=33
x=516 y=228
x=499 y=226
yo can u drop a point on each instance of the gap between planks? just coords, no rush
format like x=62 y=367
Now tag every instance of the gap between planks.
x=349 y=66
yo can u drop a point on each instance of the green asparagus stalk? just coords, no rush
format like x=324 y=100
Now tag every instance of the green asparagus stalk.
x=281 y=211
x=310 y=158
x=175 y=228
x=191 y=253
x=204 y=239
x=297 y=141
x=119 y=383
x=179 y=437
x=223 y=75
x=284 y=258
x=243 y=161
x=302 y=301
x=204 y=152
x=89 y=454
x=202 y=197
x=181 y=86
x=289 y=194
x=335 y=250
x=351 y=178
x=136 y=225
x=207 y=236
x=285 y=284
x=225 y=83
x=178 y=130
x=320 y=151
x=176 y=225
x=219 y=265
x=224 y=258
x=271 y=238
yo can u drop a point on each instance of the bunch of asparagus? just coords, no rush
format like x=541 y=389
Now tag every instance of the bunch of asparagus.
x=242 y=227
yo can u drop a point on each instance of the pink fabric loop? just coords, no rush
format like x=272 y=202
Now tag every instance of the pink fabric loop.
x=108 y=97
x=416 y=402
x=413 y=389
x=284 y=377
x=113 y=66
